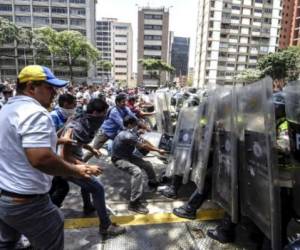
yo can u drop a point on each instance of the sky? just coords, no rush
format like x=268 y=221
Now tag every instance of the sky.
x=183 y=18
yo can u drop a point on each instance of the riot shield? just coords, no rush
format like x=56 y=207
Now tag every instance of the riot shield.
x=292 y=110
x=181 y=154
x=203 y=140
x=224 y=185
x=163 y=115
x=259 y=194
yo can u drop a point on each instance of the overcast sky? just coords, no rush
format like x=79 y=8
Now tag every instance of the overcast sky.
x=183 y=18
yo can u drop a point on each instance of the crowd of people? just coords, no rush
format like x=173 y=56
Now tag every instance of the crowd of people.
x=52 y=129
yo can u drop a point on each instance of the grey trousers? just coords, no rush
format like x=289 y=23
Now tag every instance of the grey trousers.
x=98 y=142
x=134 y=167
x=38 y=219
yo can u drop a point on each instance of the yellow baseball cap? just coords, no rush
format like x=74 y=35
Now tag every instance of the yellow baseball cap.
x=40 y=73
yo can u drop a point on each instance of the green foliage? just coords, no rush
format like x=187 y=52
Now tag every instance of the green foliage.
x=71 y=46
x=8 y=31
x=281 y=65
x=249 y=75
x=105 y=65
x=154 y=64
x=156 y=67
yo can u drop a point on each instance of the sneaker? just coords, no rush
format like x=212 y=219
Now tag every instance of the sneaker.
x=169 y=192
x=112 y=230
x=138 y=207
x=182 y=212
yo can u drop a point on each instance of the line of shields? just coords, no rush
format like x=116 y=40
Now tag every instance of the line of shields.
x=237 y=126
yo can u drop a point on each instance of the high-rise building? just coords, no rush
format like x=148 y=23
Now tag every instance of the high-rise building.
x=122 y=59
x=104 y=43
x=180 y=55
x=153 y=42
x=290 y=32
x=61 y=15
x=231 y=36
x=115 y=42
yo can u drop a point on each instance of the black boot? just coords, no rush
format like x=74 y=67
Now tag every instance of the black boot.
x=185 y=212
x=222 y=236
x=138 y=207
x=224 y=233
x=169 y=192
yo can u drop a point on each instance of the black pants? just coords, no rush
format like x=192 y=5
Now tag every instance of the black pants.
x=60 y=189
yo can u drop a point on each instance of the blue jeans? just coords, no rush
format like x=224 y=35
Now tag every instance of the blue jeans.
x=95 y=187
x=37 y=218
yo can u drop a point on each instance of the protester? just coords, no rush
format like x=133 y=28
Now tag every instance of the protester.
x=124 y=159
x=27 y=159
x=113 y=124
x=83 y=130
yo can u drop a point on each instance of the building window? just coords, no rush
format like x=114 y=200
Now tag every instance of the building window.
x=58 y=10
x=40 y=9
x=120 y=51
x=121 y=43
x=157 y=17
x=121 y=27
x=76 y=11
x=77 y=1
x=152 y=37
x=121 y=36
x=234 y=7
x=61 y=21
x=267 y=10
x=5 y=7
x=23 y=19
x=121 y=66
x=78 y=22
x=152 y=47
x=152 y=27
x=41 y=20
x=22 y=8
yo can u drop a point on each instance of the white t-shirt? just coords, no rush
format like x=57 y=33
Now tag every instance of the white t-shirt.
x=24 y=123
x=87 y=96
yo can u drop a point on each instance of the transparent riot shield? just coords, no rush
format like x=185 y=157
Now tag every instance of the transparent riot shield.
x=259 y=194
x=292 y=110
x=203 y=138
x=153 y=137
x=163 y=115
x=180 y=160
x=225 y=185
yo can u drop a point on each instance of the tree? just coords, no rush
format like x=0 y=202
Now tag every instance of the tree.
x=71 y=46
x=156 y=67
x=8 y=34
x=248 y=76
x=105 y=66
x=8 y=31
x=281 y=65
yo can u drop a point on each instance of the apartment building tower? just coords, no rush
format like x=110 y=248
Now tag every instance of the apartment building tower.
x=115 y=42
x=231 y=36
x=180 y=55
x=61 y=15
x=290 y=28
x=153 y=42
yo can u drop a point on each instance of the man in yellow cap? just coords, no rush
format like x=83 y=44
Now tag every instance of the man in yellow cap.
x=28 y=161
